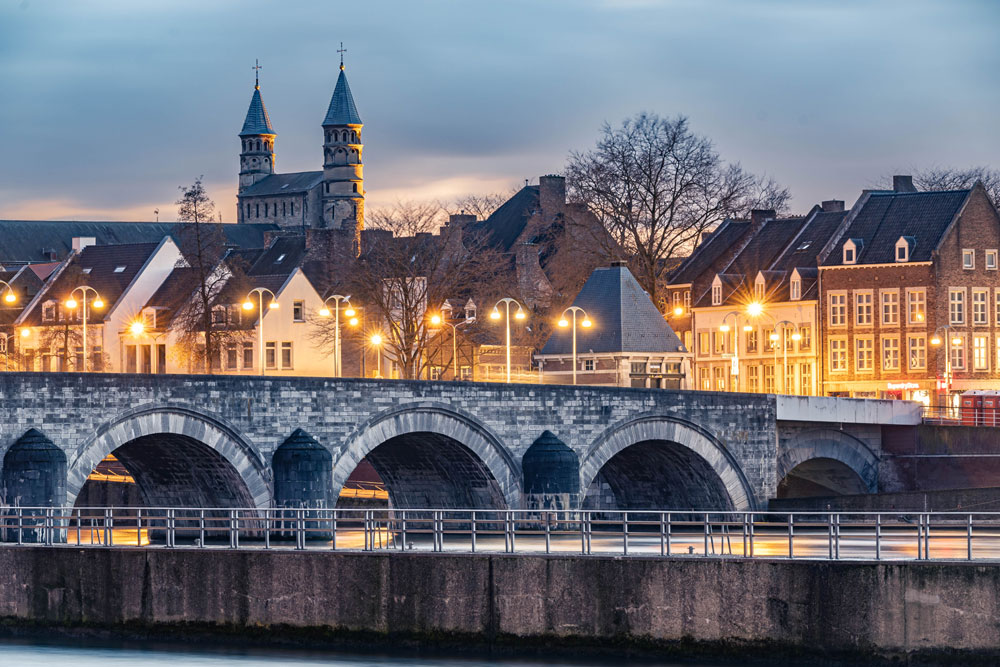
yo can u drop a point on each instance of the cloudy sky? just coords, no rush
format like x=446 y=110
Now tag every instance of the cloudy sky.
x=107 y=107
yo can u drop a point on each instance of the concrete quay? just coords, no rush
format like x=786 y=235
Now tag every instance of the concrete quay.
x=859 y=611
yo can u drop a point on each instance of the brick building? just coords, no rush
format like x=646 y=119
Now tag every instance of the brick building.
x=910 y=296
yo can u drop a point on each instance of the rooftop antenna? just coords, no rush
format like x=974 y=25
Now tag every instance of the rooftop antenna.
x=256 y=73
x=156 y=212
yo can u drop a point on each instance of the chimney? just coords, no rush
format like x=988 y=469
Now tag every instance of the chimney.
x=462 y=219
x=903 y=184
x=618 y=263
x=758 y=216
x=832 y=205
x=552 y=196
x=81 y=242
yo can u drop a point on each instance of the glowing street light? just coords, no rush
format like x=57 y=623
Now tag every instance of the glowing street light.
x=755 y=309
x=325 y=311
x=586 y=324
x=9 y=296
x=248 y=305
x=376 y=341
x=437 y=320
x=519 y=315
x=137 y=328
x=72 y=304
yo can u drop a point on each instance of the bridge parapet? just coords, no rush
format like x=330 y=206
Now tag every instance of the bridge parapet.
x=828 y=409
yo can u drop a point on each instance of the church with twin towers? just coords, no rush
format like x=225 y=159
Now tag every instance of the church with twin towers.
x=333 y=198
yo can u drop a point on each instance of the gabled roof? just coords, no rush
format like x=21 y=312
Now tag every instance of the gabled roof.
x=342 y=110
x=765 y=246
x=708 y=253
x=108 y=269
x=507 y=223
x=805 y=248
x=176 y=291
x=257 y=120
x=625 y=319
x=284 y=184
x=886 y=216
x=29 y=240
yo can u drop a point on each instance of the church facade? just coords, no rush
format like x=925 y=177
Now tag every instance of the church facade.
x=333 y=198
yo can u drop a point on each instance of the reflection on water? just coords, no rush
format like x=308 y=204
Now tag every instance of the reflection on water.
x=25 y=654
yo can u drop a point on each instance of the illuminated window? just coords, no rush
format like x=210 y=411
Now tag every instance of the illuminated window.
x=838 y=355
x=890 y=307
x=890 y=354
x=917 y=352
x=916 y=306
x=864 y=355
x=863 y=309
x=958 y=352
x=980 y=354
x=838 y=309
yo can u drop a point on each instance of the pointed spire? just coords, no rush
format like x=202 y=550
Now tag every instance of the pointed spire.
x=257 y=121
x=342 y=110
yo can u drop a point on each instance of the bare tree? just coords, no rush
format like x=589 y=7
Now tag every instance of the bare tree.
x=405 y=271
x=201 y=334
x=657 y=188
x=481 y=205
x=949 y=178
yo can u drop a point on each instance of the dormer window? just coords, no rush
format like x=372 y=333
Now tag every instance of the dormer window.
x=119 y=269
x=903 y=247
x=219 y=315
x=795 y=289
x=470 y=310
x=717 y=292
x=49 y=311
x=149 y=317
x=851 y=249
x=86 y=270
x=759 y=288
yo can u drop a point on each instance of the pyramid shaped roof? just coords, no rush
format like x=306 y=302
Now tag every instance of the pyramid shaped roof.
x=257 y=121
x=342 y=110
x=625 y=318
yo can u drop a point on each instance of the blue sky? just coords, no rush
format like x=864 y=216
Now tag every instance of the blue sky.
x=108 y=106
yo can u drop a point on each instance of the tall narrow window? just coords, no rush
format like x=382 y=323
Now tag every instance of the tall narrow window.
x=890 y=354
x=979 y=313
x=956 y=306
x=890 y=308
x=270 y=354
x=916 y=306
x=864 y=358
x=980 y=353
x=917 y=352
x=863 y=308
x=838 y=309
x=838 y=355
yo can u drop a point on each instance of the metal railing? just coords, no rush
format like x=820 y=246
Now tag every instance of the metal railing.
x=639 y=533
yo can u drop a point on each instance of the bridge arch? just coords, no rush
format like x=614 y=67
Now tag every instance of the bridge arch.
x=463 y=441
x=680 y=443
x=849 y=465
x=163 y=435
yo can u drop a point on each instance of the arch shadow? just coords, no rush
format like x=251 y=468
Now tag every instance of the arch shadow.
x=188 y=427
x=669 y=429
x=829 y=444
x=439 y=420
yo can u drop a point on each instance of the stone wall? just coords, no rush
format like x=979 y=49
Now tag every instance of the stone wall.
x=772 y=607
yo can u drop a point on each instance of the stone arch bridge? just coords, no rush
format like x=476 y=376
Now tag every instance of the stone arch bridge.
x=261 y=442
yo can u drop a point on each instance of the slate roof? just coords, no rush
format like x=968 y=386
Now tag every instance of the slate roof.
x=814 y=236
x=765 y=246
x=257 y=120
x=707 y=254
x=625 y=319
x=25 y=240
x=173 y=293
x=888 y=215
x=283 y=184
x=506 y=224
x=280 y=258
x=102 y=262
x=342 y=110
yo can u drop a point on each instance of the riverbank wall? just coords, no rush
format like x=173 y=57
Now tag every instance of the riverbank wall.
x=857 y=610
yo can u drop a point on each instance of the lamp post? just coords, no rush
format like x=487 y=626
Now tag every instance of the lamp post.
x=563 y=322
x=248 y=305
x=96 y=303
x=349 y=312
x=948 y=340
x=784 y=324
x=9 y=297
x=377 y=343
x=519 y=315
x=724 y=328
x=437 y=320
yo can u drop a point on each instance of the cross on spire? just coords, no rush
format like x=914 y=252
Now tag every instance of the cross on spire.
x=341 y=51
x=256 y=67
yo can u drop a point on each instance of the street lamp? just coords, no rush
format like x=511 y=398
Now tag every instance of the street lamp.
x=519 y=315
x=9 y=296
x=724 y=328
x=96 y=303
x=437 y=320
x=563 y=322
x=376 y=340
x=784 y=324
x=349 y=312
x=248 y=305
x=949 y=341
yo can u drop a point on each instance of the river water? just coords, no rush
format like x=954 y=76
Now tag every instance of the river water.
x=36 y=654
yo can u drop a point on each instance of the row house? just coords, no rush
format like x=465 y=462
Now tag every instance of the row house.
x=755 y=325
x=135 y=296
x=910 y=296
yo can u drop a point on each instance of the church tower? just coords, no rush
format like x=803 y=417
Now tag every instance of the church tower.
x=343 y=193
x=257 y=140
